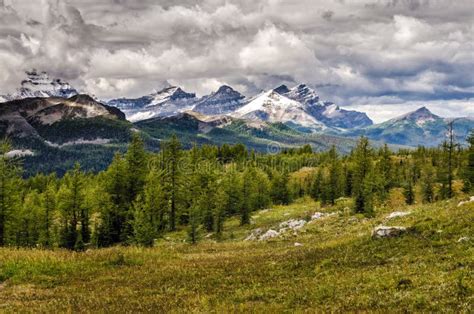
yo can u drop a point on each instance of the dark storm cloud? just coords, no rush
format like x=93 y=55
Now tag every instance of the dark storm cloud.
x=357 y=53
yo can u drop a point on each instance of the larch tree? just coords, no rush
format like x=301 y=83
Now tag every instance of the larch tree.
x=9 y=177
x=172 y=155
x=363 y=177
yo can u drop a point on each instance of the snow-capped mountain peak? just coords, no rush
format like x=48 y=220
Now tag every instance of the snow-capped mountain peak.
x=172 y=93
x=39 y=84
x=420 y=116
x=325 y=112
x=273 y=107
x=166 y=102
x=225 y=100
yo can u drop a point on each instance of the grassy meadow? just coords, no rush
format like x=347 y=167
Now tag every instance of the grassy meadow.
x=335 y=266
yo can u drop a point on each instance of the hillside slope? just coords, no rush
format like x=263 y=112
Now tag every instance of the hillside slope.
x=53 y=133
x=330 y=264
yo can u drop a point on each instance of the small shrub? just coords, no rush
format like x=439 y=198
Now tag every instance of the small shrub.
x=404 y=284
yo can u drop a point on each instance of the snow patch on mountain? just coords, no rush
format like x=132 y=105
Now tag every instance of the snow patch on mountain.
x=166 y=102
x=325 y=112
x=273 y=107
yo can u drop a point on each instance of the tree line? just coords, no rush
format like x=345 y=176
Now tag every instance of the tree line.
x=143 y=195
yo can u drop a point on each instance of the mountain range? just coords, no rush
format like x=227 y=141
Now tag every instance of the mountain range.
x=51 y=124
x=420 y=127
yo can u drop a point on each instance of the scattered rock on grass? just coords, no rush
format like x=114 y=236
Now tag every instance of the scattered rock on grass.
x=298 y=244
x=388 y=232
x=319 y=215
x=398 y=214
x=254 y=235
x=293 y=224
x=269 y=234
x=471 y=199
x=463 y=239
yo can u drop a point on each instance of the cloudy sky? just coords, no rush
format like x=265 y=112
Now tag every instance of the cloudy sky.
x=382 y=57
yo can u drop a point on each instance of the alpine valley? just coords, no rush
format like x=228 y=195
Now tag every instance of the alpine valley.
x=52 y=126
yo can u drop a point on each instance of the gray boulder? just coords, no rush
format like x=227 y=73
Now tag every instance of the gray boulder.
x=388 y=232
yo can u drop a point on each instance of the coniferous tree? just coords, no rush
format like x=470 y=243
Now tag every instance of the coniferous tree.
x=428 y=185
x=222 y=200
x=48 y=205
x=172 y=157
x=75 y=229
x=347 y=180
x=279 y=188
x=261 y=196
x=248 y=191
x=206 y=197
x=409 y=193
x=317 y=185
x=136 y=164
x=446 y=172
x=25 y=220
x=143 y=230
x=232 y=185
x=363 y=177
x=334 y=186
x=114 y=208
x=155 y=200
x=9 y=176
x=136 y=167
x=384 y=169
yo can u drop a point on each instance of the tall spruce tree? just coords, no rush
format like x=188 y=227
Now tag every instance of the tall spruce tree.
x=409 y=193
x=172 y=155
x=317 y=185
x=75 y=226
x=384 y=168
x=427 y=184
x=334 y=183
x=48 y=205
x=114 y=208
x=447 y=171
x=363 y=177
x=9 y=197
x=279 y=188
x=144 y=232
x=136 y=163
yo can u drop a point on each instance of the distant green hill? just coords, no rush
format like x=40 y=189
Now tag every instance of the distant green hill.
x=420 y=127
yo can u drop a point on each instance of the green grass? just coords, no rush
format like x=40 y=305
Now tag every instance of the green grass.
x=338 y=268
